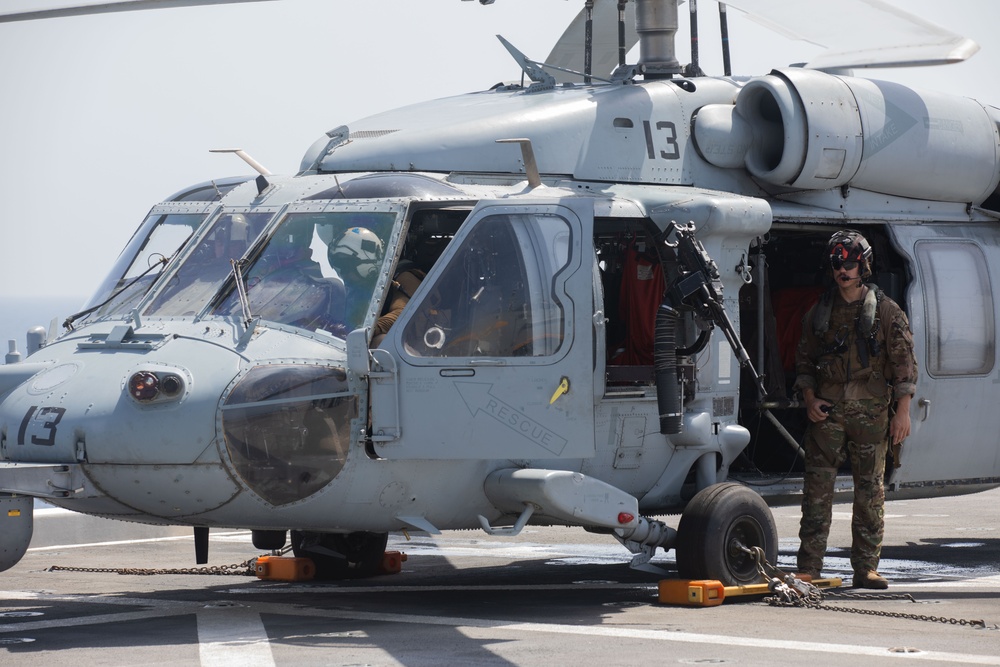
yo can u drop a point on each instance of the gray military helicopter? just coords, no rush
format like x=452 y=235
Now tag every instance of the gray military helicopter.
x=565 y=301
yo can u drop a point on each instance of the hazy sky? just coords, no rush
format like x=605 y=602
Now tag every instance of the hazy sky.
x=101 y=117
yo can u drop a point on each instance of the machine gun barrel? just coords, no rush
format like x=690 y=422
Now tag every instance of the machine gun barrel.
x=721 y=318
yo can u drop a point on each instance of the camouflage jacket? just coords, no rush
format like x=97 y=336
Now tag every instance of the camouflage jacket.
x=400 y=291
x=832 y=363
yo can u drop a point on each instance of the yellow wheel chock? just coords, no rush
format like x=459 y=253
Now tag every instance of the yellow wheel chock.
x=710 y=593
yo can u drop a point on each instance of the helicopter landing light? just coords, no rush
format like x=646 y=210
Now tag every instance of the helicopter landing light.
x=146 y=386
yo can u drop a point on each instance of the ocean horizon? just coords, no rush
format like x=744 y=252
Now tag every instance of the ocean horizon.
x=18 y=314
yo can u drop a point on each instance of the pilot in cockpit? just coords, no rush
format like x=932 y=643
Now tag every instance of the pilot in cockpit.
x=357 y=257
x=230 y=239
x=204 y=271
x=227 y=240
x=286 y=285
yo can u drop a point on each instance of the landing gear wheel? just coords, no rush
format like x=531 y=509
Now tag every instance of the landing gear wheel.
x=341 y=555
x=714 y=524
x=272 y=540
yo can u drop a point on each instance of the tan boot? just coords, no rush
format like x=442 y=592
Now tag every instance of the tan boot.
x=870 y=579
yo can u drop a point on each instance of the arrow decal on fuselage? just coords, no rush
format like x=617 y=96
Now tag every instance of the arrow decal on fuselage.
x=478 y=398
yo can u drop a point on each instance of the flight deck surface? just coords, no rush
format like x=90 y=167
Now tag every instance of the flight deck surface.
x=548 y=596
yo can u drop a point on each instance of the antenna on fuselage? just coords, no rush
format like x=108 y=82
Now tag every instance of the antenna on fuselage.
x=262 y=182
x=257 y=166
x=528 y=157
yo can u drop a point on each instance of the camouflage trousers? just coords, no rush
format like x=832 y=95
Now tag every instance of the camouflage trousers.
x=855 y=429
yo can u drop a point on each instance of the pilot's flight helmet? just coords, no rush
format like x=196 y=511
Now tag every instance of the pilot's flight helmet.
x=237 y=227
x=229 y=236
x=358 y=252
x=846 y=247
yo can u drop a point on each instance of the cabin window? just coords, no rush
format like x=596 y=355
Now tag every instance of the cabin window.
x=496 y=296
x=959 y=306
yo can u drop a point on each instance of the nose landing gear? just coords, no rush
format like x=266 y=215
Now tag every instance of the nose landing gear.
x=341 y=555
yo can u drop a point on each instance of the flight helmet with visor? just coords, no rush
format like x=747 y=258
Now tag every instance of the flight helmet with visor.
x=358 y=253
x=849 y=249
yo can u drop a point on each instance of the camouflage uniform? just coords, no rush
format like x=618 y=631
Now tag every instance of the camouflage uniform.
x=401 y=291
x=857 y=426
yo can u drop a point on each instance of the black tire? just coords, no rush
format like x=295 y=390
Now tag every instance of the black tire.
x=272 y=540
x=341 y=555
x=715 y=521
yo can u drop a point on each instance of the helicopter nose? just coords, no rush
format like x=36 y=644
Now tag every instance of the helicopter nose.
x=100 y=408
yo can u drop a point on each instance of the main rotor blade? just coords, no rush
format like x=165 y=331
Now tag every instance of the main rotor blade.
x=859 y=33
x=63 y=9
x=568 y=51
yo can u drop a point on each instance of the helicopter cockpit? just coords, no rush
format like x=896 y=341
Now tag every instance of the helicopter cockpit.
x=308 y=275
x=167 y=228
x=317 y=269
x=200 y=276
x=141 y=263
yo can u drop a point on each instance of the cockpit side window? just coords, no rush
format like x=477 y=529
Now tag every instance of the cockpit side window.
x=496 y=296
x=142 y=261
x=317 y=271
x=190 y=289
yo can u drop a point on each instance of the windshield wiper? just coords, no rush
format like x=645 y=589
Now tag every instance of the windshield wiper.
x=241 y=290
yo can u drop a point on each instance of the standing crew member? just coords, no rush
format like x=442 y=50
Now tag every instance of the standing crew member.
x=854 y=360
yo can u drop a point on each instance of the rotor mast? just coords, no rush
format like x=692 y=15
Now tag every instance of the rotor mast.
x=656 y=24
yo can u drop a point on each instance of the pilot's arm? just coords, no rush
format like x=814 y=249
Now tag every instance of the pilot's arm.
x=402 y=289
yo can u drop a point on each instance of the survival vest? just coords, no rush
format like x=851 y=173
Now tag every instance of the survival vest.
x=866 y=324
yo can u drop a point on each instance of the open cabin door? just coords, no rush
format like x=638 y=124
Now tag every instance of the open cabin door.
x=493 y=357
x=952 y=309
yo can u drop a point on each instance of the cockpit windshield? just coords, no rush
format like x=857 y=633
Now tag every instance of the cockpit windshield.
x=157 y=241
x=318 y=271
x=190 y=289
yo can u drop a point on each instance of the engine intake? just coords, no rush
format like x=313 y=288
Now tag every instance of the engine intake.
x=805 y=129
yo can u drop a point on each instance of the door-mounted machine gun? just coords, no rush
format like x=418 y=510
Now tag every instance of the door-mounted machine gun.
x=697 y=286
